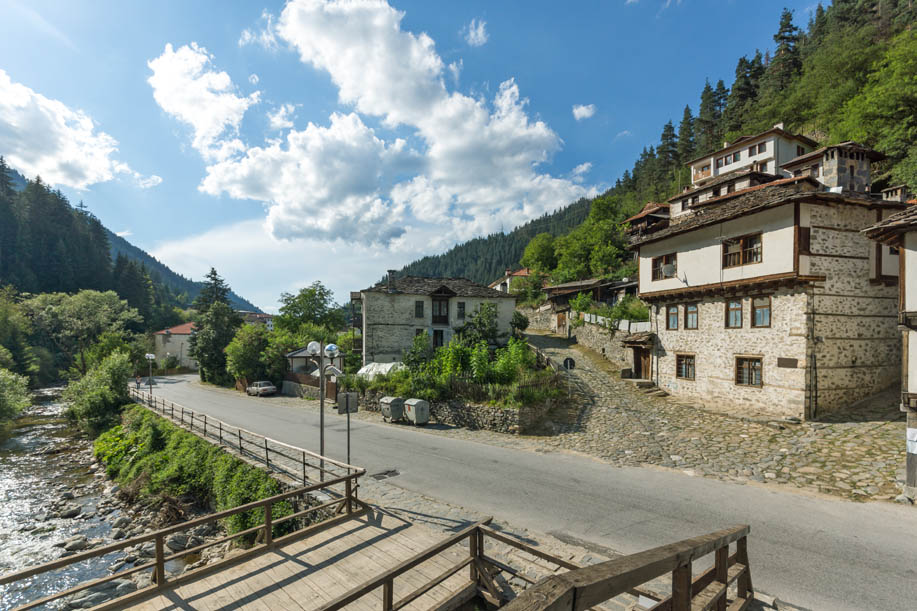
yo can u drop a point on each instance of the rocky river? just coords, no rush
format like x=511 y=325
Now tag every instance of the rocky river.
x=55 y=501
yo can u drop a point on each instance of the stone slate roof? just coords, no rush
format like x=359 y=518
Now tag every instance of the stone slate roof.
x=650 y=208
x=723 y=178
x=754 y=199
x=417 y=285
x=887 y=230
x=744 y=139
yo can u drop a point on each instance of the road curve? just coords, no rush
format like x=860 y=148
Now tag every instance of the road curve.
x=811 y=551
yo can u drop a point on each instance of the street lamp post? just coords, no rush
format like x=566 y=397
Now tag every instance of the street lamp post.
x=150 y=358
x=331 y=351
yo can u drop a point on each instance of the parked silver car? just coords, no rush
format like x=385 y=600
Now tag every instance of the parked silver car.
x=261 y=388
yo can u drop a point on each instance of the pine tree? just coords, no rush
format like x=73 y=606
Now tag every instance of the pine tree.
x=686 y=147
x=668 y=149
x=215 y=290
x=705 y=125
x=786 y=63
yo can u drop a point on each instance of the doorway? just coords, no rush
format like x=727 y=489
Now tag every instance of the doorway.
x=642 y=369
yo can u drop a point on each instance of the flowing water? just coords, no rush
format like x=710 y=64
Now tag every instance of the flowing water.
x=42 y=459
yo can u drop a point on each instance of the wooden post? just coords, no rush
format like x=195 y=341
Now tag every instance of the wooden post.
x=182 y=421
x=745 y=587
x=348 y=486
x=303 y=468
x=240 y=440
x=205 y=426
x=268 y=528
x=722 y=573
x=221 y=431
x=473 y=548
x=388 y=592
x=160 y=570
x=681 y=588
x=267 y=458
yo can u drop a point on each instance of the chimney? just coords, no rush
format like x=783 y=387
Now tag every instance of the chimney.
x=509 y=272
x=778 y=125
x=726 y=144
x=391 y=281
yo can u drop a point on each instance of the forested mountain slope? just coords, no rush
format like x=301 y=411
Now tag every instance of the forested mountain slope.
x=849 y=74
x=47 y=246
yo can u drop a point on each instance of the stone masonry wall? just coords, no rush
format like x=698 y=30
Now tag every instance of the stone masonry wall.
x=716 y=347
x=858 y=350
x=606 y=342
x=538 y=319
x=525 y=420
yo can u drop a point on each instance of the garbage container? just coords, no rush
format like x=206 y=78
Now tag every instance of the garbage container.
x=392 y=408
x=417 y=411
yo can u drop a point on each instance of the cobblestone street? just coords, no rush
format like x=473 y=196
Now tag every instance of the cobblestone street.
x=856 y=455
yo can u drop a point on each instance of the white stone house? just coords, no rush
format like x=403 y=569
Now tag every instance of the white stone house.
x=174 y=341
x=767 y=298
x=899 y=232
x=396 y=310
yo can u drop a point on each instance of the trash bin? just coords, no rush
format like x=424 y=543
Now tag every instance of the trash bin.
x=417 y=411
x=392 y=408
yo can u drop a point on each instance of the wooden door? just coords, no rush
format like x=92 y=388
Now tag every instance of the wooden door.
x=641 y=363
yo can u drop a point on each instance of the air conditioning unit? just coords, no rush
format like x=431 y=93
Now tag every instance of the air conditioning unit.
x=668 y=270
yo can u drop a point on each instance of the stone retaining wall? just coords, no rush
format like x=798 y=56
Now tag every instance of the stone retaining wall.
x=538 y=319
x=527 y=420
x=292 y=389
x=604 y=341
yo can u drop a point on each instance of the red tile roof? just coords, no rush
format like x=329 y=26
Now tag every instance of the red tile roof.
x=184 y=329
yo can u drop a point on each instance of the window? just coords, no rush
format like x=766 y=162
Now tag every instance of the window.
x=706 y=168
x=762 y=167
x=748 y=371
x=720 y=161
x=814 y=171
x=761 y=311
x=736 y=156
x=440 y=311
x=671 y=317
x=742 y=251
x=762 y=148
x=418 y=309
x=734 y=314
x=694 y=199
x=805 y=240
x=438 y=338
x=460 y=310
x=800 y=150
x=716 y=192
x=684 y=366
x=731 y=187
x=691 y=316
x=660 y=262
x=751 y=151
x=418 y=332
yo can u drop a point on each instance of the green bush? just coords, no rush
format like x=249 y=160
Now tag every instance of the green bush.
x=582 y=302
x=163 y=459
x=14 y=394
x=95 y=400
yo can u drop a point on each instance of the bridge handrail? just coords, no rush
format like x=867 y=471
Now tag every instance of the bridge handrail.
x=584 y=588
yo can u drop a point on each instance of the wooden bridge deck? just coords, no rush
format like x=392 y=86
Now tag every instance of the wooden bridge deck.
x=309 y=573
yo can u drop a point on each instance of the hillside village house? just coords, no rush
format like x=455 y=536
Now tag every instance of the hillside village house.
x=396 y=310
x=764 y=295
x=602 y=291
x=174 y=341
x=505 y=282
x=899 y=232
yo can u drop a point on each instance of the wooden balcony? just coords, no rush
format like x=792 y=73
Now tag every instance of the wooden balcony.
x=700 y=174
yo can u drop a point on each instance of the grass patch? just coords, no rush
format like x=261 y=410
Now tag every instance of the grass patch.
x=155 y=459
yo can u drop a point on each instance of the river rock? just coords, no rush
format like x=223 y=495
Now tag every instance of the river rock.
x=117 y=533
x=67 y=496
x=76 y=544
x=177 y=542
x=147 y=550
x=125 y=586
x=71 y=511
x=121 y=522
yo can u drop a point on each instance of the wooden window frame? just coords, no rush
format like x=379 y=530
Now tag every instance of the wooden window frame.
x=720 y=162
x=762 y=147
x=751 y=150
x=679 y=356
x=668 y=318
x=737 y=157
x=739 y=310
x=760 y=360
x=770 y=311
x=662 y=261
x=438 y=317
x=805 y=240
x=742 y=250
x=800 y=150
x=696 y=307
x=418 y=309
x=460 y=310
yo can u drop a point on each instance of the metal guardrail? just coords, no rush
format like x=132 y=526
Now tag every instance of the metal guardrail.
x=277 y=456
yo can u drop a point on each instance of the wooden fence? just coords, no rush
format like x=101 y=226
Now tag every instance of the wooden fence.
x=343 y=508
x=583 y=588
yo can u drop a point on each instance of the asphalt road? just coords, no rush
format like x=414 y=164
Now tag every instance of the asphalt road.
x=811 y=551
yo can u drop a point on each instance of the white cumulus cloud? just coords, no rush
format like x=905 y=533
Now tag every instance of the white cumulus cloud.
x=42 y=136
x=475 y=33
x=186 y=87
x=263 y=36
x=583 y=111
x=467 y=166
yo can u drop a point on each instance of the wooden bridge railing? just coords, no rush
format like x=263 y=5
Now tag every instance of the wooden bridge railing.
x=586 y=587
x=345 y=507
x=297 y=463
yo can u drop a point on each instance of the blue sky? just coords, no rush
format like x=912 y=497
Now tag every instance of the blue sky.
x=287 y=143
